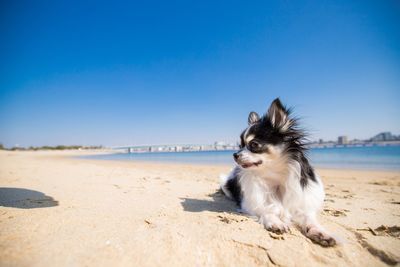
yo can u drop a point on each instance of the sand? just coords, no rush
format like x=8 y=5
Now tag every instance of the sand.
x=61 y=211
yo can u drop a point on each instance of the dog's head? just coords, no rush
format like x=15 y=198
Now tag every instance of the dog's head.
x=268 y=140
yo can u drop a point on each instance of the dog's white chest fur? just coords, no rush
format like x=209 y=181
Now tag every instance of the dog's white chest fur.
x=279 y=195
x=260 y=194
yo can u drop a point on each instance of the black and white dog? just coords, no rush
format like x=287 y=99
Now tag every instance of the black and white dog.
x=273 y=179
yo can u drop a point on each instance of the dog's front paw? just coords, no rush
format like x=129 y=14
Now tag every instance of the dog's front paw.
x=319 y=236
x=274 y=224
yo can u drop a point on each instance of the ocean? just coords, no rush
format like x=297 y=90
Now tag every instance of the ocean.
x=363 y=158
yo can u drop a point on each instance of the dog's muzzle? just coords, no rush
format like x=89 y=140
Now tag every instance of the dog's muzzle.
x=243 y=164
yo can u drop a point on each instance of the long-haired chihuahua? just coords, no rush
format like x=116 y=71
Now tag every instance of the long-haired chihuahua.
x=273 y=179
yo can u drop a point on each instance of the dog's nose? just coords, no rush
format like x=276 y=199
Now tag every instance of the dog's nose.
x=236 y=155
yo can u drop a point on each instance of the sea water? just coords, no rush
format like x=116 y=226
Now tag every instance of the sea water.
x=371 y=158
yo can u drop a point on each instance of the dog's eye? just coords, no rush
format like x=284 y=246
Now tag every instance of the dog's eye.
x=254 y=145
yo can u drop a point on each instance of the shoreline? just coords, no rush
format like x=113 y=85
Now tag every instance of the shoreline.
x=60 y=210
x=86 y=154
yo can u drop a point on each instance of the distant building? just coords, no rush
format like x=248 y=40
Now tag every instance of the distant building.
x=385 y=136
x=343 y=140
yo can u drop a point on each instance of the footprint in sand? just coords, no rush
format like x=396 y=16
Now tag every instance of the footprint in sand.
x=369 y=209
x=340 y=196
x=392 y=183
x=384 y=256
x=229 y=219
x=383 y=230
x=388 y=230
x=336 y=213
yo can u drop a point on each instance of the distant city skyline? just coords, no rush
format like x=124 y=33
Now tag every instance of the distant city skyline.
x=80 y=73
x=382 y=138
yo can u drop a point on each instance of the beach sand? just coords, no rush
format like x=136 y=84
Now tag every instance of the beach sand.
x=60 y=211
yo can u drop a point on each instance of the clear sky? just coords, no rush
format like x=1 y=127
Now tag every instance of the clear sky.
x=137 y=72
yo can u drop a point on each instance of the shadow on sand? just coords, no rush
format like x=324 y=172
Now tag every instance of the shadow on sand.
x=25 y=198
x=220 y=203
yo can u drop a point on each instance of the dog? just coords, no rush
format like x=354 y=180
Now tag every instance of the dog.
x=273 y=179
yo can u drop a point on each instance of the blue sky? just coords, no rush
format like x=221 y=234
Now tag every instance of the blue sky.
x=90 y=73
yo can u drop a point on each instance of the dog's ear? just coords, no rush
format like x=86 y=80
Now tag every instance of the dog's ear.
x=253 y=118
x=278 y=115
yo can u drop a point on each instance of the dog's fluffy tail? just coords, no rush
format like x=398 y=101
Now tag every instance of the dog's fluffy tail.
x=223 y=180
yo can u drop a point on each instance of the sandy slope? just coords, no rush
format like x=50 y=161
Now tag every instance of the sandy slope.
x=56 y=211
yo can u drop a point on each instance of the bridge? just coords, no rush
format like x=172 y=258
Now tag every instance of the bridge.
x=175 y=147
